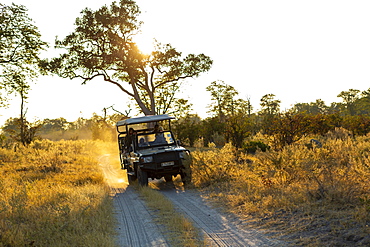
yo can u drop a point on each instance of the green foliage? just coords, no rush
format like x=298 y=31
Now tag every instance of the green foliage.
x=222 y=96
x=288 y=128
x=238 y=127
x=187 y=129
x=213 y=131
x=231 y=113
x=21 y=131
x=349 y=98
x=314 y=108
x=58 y=124
x=166 y=100
x=102 y=46
x=95 y=128
x=20 y=46
x=253 y=146
x=269 y=105
x=359 y=124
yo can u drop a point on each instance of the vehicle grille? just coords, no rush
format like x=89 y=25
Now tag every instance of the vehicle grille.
x=163 y=157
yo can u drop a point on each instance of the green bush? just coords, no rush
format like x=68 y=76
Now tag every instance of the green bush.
x=253 y=146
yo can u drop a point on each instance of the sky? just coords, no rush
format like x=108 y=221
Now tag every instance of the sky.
x=300 y=51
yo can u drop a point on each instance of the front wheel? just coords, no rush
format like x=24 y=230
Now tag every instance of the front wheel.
x=168 y=178
x=186 y=174
x=131 y=178
x=142 y=177
x=186 y=177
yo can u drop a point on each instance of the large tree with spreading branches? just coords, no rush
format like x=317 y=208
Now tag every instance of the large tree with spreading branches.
x=102 y=46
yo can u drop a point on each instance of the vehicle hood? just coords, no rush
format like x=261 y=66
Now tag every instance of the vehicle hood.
x=157 y=150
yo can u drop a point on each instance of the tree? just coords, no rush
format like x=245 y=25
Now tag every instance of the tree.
x=102 y=46
x=188 y=129
x=21 y=130
x=222 y=96
x=290 y=128
x=349 y=98
x=358 y=125
x=320 y=124
x=363 y=104
x=269 y=105
x=167 y=103
x=231 y=112
x=58 y=124
x=238 y=127
x=20 y=45
x=317 y=107
x=269 y=113
x=212 y=130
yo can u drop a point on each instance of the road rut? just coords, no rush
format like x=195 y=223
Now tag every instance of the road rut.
x=217 y=229
x=135 y=225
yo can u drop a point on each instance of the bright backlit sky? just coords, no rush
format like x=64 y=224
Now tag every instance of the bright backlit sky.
x=298 y=50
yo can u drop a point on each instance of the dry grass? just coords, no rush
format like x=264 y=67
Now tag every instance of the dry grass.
x=53 y=194
x=315 y=196
x=179 y=230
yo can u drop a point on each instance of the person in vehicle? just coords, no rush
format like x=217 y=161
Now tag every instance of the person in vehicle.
x=159 y=136
x=128 y=139
x=156 y=128
x=143 y=143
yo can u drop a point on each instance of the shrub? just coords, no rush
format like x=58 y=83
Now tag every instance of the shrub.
x=252 y=146
x=331 y=182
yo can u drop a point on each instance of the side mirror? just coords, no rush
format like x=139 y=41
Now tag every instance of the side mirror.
x=178 y=142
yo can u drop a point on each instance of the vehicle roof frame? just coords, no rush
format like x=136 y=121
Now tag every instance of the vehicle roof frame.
x=144 y=119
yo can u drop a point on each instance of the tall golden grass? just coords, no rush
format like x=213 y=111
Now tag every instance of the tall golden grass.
x=53 y=194
x=330 y=182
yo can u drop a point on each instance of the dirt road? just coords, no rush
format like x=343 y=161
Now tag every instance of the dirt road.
x=217 y=229
x=136 y=227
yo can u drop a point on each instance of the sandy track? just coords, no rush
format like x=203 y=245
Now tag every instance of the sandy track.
x=217 y=229
x=135 y=224
x=137 y=228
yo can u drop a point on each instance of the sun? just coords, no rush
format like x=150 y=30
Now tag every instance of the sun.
x=144 y=43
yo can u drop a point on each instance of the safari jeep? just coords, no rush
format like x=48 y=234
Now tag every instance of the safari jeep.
x=148 y=150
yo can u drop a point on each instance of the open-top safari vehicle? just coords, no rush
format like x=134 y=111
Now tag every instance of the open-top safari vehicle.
x=148 y=150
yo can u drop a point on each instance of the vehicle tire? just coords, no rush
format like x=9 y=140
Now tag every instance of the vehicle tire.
x=168 y=178
x=131 y=178
x=186 y=173
x=142 y=177
x=185 y=177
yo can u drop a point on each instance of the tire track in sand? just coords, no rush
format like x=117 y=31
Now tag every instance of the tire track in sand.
x=135 y=222
x=217 y=229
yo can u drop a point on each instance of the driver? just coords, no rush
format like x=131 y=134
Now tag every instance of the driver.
x=159 y=136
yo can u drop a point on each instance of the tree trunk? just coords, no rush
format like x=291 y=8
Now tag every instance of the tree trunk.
x=22 y=124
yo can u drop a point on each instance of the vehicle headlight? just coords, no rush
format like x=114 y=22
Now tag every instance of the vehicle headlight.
x=184 y=154
x=147 y=159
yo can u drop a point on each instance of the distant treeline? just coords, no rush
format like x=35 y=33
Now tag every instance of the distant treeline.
x=231 y=121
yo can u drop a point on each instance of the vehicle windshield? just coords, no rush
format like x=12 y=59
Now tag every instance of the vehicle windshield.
x=154 y=139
